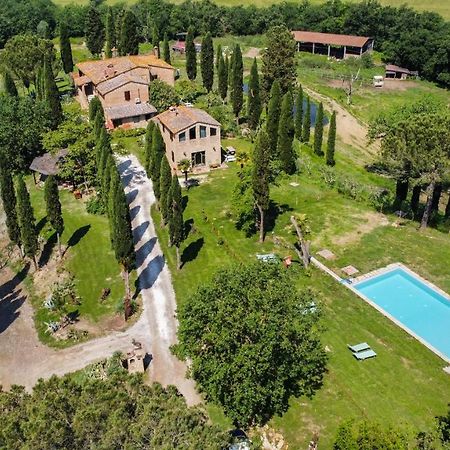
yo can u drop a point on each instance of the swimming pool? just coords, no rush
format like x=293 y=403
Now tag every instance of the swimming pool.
x=413 y=304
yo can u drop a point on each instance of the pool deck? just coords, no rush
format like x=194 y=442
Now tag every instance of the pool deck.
x=374 y=273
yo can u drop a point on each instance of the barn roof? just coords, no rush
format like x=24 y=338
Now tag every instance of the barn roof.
x=131 y=110
x=330 y=39
x=48 y=164
x=394 y=68
x=181 y=117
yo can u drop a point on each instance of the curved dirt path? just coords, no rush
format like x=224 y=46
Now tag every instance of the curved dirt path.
x=23 y=359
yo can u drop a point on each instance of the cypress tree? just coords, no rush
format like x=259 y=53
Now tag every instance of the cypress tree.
x=114 y=184
x=207 y=62
x=261 y=177
x=318 y=131
x=155 y=40
x=331 y=143
x=110 y=33
x=222 y=78
x=254 y=99
x=40 y=89
x=237 y=98
x=148 y=146
x=299 y=114
x=306 y=131
x=106 y=179
x=129 y=39
x=285 y=149
x=52 y=100
x=102 y=150
x=230 y=71
x=25 y=215
x=99 y=124
x=273 y=116
x=166 y=50
x=191 y=55
x=218 y=55
x=94 y=31
x=95 y=105
x=9 y=204
x=165 y=180
x=65 y=48
x=53 y=207
x=176 y=224
x=227 y=69
x=158 y=151
x=9 y=85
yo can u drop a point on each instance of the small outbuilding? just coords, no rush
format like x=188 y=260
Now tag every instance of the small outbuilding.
x=399 y=73
x=47 y=164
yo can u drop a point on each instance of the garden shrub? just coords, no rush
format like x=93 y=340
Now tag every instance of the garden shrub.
x=95 y=206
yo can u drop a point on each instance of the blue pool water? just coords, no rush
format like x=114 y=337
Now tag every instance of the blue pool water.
x=417 y=306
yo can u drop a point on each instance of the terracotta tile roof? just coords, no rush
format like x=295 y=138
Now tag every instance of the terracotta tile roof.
x=129 y=110
x=100 y=70
x=394 y=68
x=331 y=39
x=113 y=83
x=179 y=118
x=80 y=81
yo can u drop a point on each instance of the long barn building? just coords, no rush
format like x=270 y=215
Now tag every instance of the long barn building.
x=339 y=46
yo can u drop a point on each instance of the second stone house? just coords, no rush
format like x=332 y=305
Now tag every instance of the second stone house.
x=190 y=133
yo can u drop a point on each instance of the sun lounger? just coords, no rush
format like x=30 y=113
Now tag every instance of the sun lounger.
x=366 y=354
x=359 y=347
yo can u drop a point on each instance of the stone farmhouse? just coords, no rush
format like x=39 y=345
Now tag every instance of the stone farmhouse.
x=190 y=133
x=122 y=84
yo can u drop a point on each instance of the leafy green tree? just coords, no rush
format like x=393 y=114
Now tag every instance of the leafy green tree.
x=94 y=31
x=285 y=148
x=222 y=78
x=52 y=99
x=8 y=197
x=53 y=208
x=95 y=105
x=110 y=33
x=298 y=119
x=191 y=55
x=155 y=40
x=162 y=95
x=254 y=107
x=9 y=85
x=148 y=146
x=345 y=437
x=237 y=96
x=331 y=143
x=278 y=60
x=158 y=151
x=176 y=222
x=65 y=48
x=306 y=131
x=207 y=62
x=165 y=181
x=166 y=50
x=129 y=38
x=261 y=178
x=253 y=341
x=184 y=165
x=273 y=117
x=318 y=131
x=25 y=215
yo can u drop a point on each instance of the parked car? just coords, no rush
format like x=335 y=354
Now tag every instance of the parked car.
x=230 y=158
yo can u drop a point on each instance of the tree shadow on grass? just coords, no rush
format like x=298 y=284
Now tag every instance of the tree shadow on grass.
x=184 y=202
x=41 y=224
x=191 y=252
x=275 y=210
x=188 y=226
x=47 y=250
x=78 y=235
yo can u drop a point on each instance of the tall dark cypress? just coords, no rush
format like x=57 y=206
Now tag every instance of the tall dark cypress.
x=110 y=33
x=207 y=62
x=222 y=78
x=191 y=55
x=176 y=224
x=9 y=203
x=155 y=40
x=237 y=95
x=106 y=179
x=227 y=68
x=99 y=124
x=306 y=131
x=53 y=208
x=331 y=143
x=129 y=38
x=273 y=116
x=25 y=215
x=298 y=120
x=218 y=55
x=254 y=99
x=148 y=147
x=95 y=105
x=230 y=71
x=285 y=148
x=165 y=180
x=9 y=85
x=318 y=131
x=52 y=99
x=158 y=151
x=94 y=31
x=65 y=48
x=166 y=50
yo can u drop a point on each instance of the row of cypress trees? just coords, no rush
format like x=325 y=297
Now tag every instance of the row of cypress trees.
x=166 y=187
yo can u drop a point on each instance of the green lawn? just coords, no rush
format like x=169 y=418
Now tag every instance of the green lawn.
x=405 y=385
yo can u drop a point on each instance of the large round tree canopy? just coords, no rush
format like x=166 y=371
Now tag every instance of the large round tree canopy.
x=253 y=339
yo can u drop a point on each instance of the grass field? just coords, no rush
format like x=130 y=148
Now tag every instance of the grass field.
x=405 y=385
